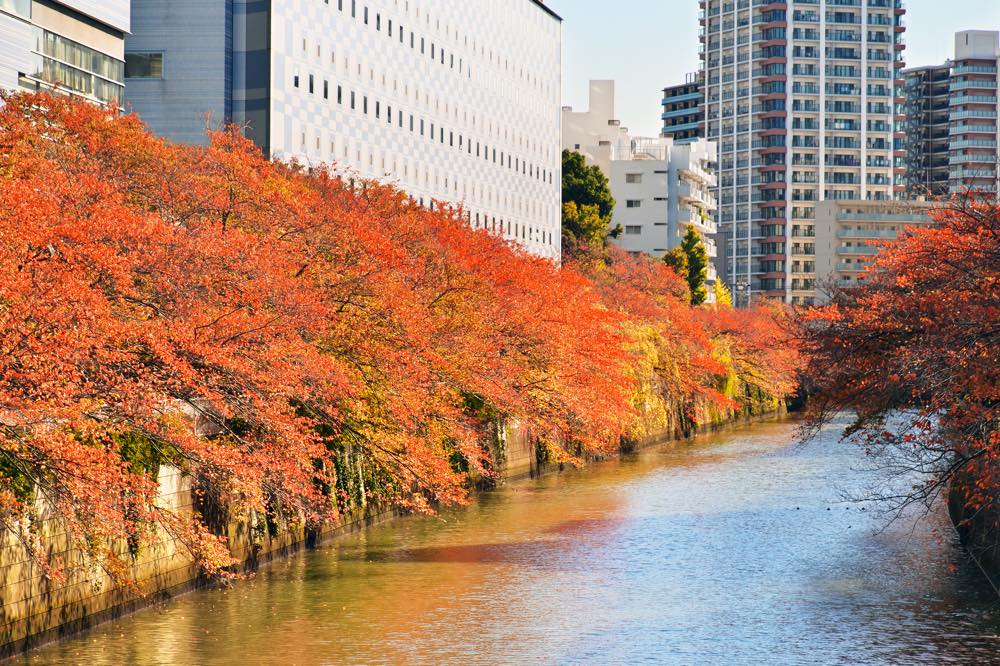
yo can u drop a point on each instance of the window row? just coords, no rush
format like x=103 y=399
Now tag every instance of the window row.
x=421 y=126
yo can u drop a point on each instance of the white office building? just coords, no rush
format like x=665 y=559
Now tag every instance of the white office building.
x=661 y=188
x=73 y=46
x=454 y=102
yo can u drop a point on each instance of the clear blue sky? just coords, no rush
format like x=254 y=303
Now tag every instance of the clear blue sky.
x=646 y=45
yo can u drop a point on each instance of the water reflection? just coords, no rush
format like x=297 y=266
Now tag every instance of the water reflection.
x=735 y=549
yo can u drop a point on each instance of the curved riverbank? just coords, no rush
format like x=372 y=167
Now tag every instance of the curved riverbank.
x=735 y=547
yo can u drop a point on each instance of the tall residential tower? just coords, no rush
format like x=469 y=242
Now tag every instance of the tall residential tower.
x=974 y=129
x=801 y=96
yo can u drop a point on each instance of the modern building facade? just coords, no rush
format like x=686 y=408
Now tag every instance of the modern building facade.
x=974 y=130
x=926 y=134
x=73 y=46
x=800 y=96
x=848 y=234
x=951 y=131
x=682 y=116
x=661 y=187
x=452 y=104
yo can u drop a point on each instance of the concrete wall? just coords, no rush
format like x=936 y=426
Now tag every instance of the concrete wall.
x=35 y=610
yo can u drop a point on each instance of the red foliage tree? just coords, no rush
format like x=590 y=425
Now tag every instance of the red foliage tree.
x=339 y=344
x=915 y=353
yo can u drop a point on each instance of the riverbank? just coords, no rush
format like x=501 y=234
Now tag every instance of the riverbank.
x=731 y=548
x=978 y=528
x=35 y=610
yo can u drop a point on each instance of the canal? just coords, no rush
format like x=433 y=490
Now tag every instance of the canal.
x=735 y=548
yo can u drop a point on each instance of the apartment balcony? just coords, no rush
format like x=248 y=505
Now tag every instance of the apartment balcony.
x=696 y=196
x=844 y=267
x=973 y=129
x=975 y=85
x=698 y=173
x=978 y=158
x=693 y=217
x=868 y=234
x=959 y=100
x=973 y=113
x=859 y=250
x=963 y=174
x=973 y=143
x=974 y=69
x=689 y=97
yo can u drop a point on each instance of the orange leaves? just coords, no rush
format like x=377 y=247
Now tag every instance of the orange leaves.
x=334 y=343
x=920 y=341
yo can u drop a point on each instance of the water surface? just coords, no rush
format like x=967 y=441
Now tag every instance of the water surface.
x=736 y=548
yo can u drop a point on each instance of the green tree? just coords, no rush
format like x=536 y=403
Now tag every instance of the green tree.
x=697 y=257
x=690 y=260
x=677 y=259
x=587 y=221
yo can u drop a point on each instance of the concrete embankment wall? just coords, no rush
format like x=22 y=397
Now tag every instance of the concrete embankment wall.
x=35 y=609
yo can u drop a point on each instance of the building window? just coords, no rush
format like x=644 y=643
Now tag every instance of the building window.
x=633 y=229
x=142 y=65
x=633 y=203
x=633 y=178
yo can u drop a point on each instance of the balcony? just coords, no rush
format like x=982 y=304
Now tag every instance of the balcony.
x=905 y=218
x=859 y=250
x=867 y=234
x=695 y=218
x=844 y=267
x=696 y=196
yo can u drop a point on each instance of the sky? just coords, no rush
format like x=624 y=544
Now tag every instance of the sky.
x=646 y=45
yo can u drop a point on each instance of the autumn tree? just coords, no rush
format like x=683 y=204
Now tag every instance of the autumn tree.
x=912 y=352
x=690 y=261
x=300 y=346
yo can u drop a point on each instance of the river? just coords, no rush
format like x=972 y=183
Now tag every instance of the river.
x=734 y=548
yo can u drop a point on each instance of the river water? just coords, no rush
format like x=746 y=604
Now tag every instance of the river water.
x=735 y=548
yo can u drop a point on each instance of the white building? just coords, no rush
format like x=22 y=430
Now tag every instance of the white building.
x=661 y=188
x=76 y=46
x=452 y=101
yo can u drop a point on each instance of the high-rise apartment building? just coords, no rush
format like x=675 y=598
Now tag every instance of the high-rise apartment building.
x=800 y=96
x=73 y=46
x=661 y=187
x=951 y=131
x=974 y=130
x=926 y=133
x=452 y=101
x=682 y=116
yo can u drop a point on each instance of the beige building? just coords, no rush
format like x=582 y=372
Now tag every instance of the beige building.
x=848 y=235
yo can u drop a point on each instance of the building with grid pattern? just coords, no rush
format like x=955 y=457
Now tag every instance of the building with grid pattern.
x=973 y=101
x=453 y=103
x=800 y=96
x=73 y=46
x=926 y=132
x=682 y=116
